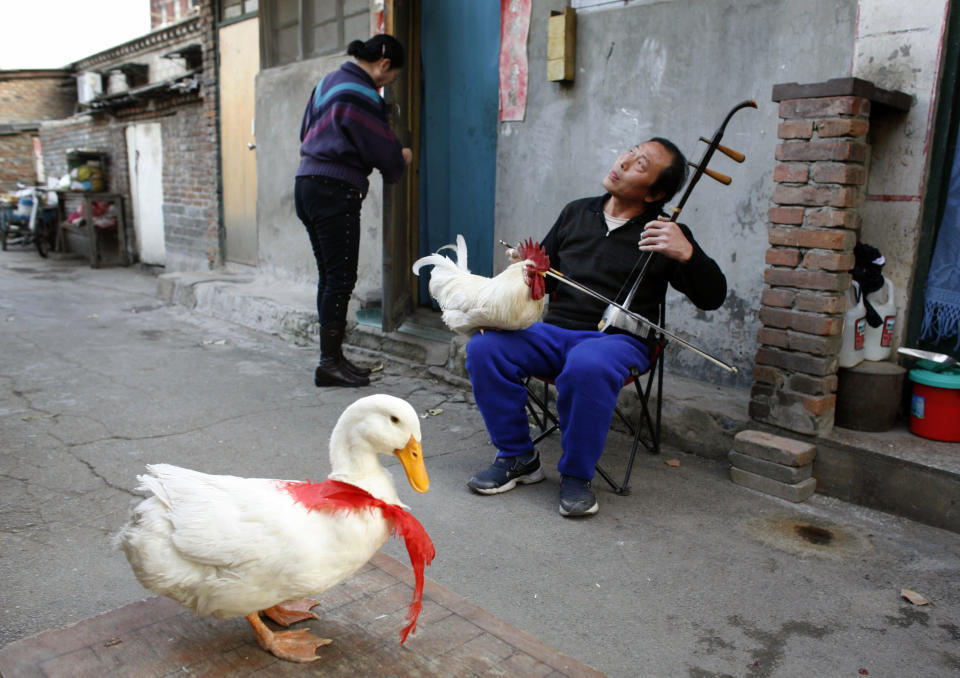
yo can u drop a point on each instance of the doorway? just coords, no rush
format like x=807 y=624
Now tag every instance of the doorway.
x=239 y=65
x=446 y=109
x=145 y=162
x=460 y=46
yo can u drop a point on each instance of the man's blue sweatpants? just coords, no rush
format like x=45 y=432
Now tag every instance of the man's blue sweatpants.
x=588 y=368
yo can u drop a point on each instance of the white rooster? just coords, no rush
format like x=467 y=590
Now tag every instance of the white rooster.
x=512 y=300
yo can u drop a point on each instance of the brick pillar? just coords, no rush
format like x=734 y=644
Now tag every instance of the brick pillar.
x=820 y=179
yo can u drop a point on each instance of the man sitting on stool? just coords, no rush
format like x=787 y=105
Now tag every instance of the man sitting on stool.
x=593 y=242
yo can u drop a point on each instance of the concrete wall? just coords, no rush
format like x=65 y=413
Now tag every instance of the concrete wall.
x=285 y=252
x=899 y=50
x=673 y=69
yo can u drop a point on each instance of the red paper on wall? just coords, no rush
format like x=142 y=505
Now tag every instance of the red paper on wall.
x=514 y=29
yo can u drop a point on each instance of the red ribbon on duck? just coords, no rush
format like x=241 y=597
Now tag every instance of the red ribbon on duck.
x=334 y=495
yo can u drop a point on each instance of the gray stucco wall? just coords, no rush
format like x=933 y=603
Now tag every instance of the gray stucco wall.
x=282 y=94
x=673 y=69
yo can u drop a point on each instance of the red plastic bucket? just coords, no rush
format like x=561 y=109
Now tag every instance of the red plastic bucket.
x=935 y=405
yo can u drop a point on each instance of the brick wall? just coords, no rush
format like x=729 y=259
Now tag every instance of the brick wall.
x=191 y=199
x=165 y=12
x=26 y=98
x=32 y=95
x=190 y=187
x=16 y=160
x=820 y=178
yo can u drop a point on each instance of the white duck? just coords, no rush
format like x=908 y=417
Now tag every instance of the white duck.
x=228 y=546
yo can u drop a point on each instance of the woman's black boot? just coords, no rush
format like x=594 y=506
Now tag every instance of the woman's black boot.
x=353 y=367
x=332 y=371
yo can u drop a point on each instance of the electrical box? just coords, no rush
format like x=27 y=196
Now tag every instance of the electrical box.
x=561 y=45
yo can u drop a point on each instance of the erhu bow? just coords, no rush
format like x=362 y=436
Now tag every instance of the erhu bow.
x=619 y=315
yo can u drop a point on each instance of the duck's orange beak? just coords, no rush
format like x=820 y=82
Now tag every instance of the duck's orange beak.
x=411 y=457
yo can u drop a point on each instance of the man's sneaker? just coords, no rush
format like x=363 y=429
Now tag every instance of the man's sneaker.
x=576 y=497
x=505 y=472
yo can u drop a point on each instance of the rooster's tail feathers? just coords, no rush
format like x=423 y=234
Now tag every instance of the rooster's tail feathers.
x=438 y=259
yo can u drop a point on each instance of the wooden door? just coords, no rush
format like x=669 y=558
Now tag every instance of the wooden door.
x=239 y=65
x=145 y=162
x=400 y=208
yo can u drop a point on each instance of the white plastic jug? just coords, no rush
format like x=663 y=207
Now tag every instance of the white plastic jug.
x=878 y=342
x=854 y=328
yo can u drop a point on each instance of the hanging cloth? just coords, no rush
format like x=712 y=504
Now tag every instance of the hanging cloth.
x=941 y=306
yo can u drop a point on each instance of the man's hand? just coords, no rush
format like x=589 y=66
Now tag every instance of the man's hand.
x=407 y=155
x=666 y=238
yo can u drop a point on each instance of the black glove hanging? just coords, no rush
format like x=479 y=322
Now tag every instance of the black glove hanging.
x=867 y=272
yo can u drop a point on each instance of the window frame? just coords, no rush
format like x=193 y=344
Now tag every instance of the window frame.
x=269 y=52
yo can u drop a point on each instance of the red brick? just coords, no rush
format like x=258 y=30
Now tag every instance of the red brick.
x=777 y=297
x=829 y=261
x=821 y=303
x=796 y=362
x=819 y=404
x=823 y=106
x=838 y=173
x=768 y=375
x=808 y=280
x=787 y=215
x=829 y=149
x=833 y=218
x=795 y=129
x=812 y=238
x=816 y=196
x=804 y=383
x=815 y=344
x=811 y=323
x=791 y=174
x=779 y=256
x=773 y=337
x=843 y=127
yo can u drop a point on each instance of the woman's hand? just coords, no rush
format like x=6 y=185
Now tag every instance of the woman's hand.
x=666 y=238
x=407 y=155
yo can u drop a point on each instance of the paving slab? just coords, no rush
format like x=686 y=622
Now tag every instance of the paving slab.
x=158 y=637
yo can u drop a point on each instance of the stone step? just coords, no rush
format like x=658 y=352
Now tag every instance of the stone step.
x=796 y=492
x=774 y=448
x=778 y=472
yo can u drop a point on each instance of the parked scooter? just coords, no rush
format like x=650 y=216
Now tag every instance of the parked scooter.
x=28 y=223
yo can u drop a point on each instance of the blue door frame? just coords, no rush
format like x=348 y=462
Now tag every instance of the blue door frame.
x=460 y=43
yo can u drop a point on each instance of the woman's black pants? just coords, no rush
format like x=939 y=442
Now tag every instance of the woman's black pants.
x=330 y=210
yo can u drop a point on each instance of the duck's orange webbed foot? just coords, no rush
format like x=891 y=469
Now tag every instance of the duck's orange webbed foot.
x=292 y=611
x=295 y=646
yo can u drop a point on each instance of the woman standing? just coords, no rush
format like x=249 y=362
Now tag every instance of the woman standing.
x=344 y=135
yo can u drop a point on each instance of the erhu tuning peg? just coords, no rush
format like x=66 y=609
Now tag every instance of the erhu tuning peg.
x=736 y=156
x=722 y=178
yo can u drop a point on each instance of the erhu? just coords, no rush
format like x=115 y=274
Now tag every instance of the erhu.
x=620 y=316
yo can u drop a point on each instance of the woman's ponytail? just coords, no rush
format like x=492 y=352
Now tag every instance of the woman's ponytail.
x=381 y=46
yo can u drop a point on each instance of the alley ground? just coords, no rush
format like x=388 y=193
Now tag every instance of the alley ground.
x=690 y=575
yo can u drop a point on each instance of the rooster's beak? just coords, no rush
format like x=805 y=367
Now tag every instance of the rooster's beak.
x=411 y=456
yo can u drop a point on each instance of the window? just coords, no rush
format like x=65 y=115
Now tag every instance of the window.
x=294 y=30
x=234 y=9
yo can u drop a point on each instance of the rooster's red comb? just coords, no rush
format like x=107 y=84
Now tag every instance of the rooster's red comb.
x=532 y=250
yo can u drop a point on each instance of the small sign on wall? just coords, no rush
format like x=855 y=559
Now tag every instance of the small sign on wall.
x=561 y=45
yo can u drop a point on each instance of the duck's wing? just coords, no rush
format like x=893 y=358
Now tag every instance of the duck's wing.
x=217 y=520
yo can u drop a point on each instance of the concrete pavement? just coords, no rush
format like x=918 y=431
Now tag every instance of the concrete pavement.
x=690 y=575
